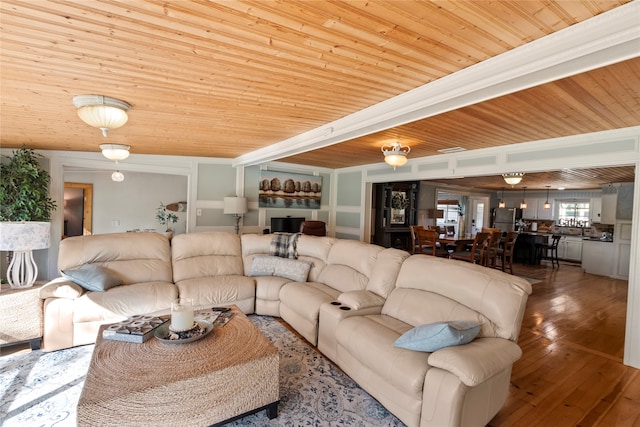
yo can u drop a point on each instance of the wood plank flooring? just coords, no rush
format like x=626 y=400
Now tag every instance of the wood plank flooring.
x=572 y=338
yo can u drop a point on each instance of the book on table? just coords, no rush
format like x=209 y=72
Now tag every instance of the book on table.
x=137 y=329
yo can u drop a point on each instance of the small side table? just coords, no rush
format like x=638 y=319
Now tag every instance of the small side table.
x=21 y=315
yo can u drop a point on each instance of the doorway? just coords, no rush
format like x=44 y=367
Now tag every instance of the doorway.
x=78 y=209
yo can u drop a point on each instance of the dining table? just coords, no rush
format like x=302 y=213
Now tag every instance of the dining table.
x=458 y=242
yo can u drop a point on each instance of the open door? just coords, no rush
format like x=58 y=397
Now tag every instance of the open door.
x=78 y=209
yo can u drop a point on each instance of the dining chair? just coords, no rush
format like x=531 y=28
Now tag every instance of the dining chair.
x=450 y=230
x=415 y=245
x=493 y=245
x=476 y=252
x=429 y=245
x=505 y=253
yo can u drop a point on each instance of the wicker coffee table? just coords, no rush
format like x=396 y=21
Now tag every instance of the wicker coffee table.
x=230 y=373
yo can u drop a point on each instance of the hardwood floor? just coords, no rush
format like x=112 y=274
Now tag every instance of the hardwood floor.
x=572 y=338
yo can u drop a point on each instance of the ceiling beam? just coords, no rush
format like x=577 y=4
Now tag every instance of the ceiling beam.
x=608 y=38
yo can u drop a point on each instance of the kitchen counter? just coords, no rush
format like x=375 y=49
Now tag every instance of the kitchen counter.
x=598 y=239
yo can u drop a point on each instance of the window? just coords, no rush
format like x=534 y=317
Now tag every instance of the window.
x=573 y=213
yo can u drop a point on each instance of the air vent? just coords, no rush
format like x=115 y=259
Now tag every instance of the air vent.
x=451 y=150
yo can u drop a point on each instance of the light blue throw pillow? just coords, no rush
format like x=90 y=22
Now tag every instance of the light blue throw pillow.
x=434 y=336
x=92 y=277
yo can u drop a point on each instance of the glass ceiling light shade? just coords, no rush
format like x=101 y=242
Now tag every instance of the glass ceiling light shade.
x=117 y=176
x=502 y=203
x=101 y=111
x=523 y=205
x=395 y=154
x=513 y=178
x=115 y=151
x=22 y=238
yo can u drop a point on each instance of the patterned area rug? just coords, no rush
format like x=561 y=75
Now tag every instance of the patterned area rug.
x=42 y=389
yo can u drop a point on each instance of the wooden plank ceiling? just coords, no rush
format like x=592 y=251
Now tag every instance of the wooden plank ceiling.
x=224 y=78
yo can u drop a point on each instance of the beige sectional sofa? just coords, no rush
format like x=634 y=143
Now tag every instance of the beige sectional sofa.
x=351 y=299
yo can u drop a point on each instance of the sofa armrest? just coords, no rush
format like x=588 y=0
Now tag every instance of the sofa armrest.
x=360 y=300
x=477 y=361
x=61 y=288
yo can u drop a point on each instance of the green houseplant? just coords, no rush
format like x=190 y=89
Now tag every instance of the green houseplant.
x=25 y=212
x=24 y=188
x=165 y=217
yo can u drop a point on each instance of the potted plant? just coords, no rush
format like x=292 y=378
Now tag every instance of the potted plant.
x=25 y=213
x=165 y=217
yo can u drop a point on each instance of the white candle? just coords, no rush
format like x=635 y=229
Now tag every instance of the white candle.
x=181 y=316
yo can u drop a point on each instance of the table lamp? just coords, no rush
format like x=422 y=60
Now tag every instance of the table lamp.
x=236 y=206
x=22 y=238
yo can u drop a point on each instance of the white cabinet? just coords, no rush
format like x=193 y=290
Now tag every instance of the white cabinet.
x=535 y=209
x=570 y=248
x=597 y=257
x=595 y=210
x=608 y=215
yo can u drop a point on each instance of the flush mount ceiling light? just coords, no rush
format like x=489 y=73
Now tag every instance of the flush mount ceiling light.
x=115 y=151
x=513 y=178
x=101 y=111
x=395 y=154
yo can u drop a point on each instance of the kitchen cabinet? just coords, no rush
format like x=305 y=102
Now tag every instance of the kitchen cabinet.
x=570 y=248
x=597 y=257
x=595 y=210
x=535 y=209
x=608 y=214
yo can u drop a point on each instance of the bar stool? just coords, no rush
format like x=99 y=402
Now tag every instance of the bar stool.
x=549 y=250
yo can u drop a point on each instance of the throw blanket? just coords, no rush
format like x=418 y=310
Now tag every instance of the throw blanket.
x=284 y=245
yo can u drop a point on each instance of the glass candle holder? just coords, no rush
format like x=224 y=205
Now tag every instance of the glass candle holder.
x=181 y=315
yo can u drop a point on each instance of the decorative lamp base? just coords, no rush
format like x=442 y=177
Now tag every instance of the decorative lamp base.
x=22 y=271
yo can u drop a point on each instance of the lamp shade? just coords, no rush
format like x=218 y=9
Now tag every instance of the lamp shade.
x=24 y=236
x=235 y=205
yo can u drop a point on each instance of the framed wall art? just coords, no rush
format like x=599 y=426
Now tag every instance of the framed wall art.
x=289 y=190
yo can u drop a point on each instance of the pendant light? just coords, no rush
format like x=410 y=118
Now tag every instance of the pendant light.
x=523 y=205
x=547 y=205
x=502 y=203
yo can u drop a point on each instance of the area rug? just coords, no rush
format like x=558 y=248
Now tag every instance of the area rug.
x=42 y=389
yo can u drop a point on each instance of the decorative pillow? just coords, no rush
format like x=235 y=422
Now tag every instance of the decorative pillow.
x=291 y=269
x=434 y=336
x=92 y=277
x=284 y=245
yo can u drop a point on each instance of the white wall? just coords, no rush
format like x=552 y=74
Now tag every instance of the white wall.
x=132 y=204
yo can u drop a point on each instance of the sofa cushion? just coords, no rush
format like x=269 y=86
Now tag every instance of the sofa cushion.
x=370 y=340
x=121 y=302
x=292 y=269
x=434 y=336
x=92 y=277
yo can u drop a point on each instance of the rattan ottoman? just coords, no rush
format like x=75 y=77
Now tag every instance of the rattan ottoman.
x=232 y=372
x=20 y=315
